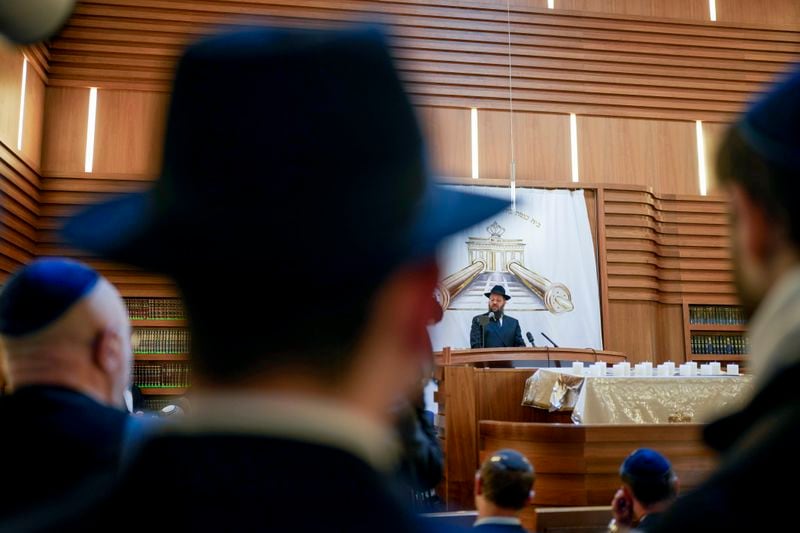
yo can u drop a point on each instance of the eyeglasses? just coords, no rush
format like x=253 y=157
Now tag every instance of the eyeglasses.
x=512 y=462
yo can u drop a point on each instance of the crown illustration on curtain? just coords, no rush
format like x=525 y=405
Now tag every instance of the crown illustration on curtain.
x=495 y=230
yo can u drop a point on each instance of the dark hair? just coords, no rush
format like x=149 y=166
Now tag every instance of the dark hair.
x=507 y=478
x=768 y=183
x=652 y=490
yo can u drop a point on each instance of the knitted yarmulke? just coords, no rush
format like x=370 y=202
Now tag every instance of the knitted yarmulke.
x=645 y=463
x=41 y=292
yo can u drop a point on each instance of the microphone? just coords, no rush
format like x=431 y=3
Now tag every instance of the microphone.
x=548 y=338
x=530 y=339
x=492 y=316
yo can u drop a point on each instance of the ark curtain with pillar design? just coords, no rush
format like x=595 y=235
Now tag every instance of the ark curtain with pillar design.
x=542 y=252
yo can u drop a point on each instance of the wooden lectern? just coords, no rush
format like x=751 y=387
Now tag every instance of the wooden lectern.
x=468 y=394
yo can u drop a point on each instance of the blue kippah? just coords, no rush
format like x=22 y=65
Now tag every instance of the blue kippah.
x=41 y=292
x=772 y=124
x=645 y=464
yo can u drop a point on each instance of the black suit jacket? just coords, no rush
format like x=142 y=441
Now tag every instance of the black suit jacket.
x=52 y=439
x=232 y=482
x=509 y=335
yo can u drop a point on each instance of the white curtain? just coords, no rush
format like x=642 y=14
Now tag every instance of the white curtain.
x=552 y=228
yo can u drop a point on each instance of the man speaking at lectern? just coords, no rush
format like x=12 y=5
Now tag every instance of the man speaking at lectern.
x=495 y=329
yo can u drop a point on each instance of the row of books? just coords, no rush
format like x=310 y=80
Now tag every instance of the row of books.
x=719 y=344
x=723 y=315
x=161 y=340
x=162 y=375
x=155 y=309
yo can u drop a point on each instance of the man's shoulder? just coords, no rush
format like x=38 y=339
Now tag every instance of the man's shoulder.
x=511 y=319
x=51 y=403
x=731 y=498
x=210 y=474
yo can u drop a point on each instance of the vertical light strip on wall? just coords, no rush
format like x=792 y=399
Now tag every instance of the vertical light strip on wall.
x=701 y=157
x=474 y=131
x=573 y=145
x=712 y=10
x=22 y=102
x=551 y=4
x=87 y=166
x=513 y=162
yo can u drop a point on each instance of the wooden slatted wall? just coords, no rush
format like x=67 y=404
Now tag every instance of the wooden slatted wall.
x=637 y=75
x=19 y=164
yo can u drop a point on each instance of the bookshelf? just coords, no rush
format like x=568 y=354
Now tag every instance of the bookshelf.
x=715 y=332
x=161 y=348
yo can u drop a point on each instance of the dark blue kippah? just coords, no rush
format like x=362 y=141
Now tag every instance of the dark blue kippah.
x=644 y=464
x=41 y=292
x=771 y=126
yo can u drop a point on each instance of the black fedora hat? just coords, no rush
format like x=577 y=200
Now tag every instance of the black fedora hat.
x=498 y=289
x=299 y=141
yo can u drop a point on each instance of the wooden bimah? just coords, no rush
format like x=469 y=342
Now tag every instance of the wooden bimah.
x=480 y=410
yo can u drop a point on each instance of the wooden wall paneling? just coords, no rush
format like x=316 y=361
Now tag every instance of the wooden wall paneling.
x=447 y=132
x=129 y=132
x=500 y=393
x=602 y=265
x=61 y=197
x=774 y=13
x=12 y=256
x=695 y=10
x=499 y=397
x=713 y=133
x=34 y=118
x=19 y=196
x=590 y=197
x=658 y=154
x=38 y=55
x=669 y=334
x=473 y=394
x=633 y=330
x=11 y=60
x=64 y=138
x=660 y=249
x=461 y=436
x=494 y=145
x=541 y=146
x=16 y=237
x=455 y=53
x=526 y=4
x=687 y=338
x=579 y=465
x=19 y=181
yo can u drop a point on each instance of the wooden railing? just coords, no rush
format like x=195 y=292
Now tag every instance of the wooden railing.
x=449 y=356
